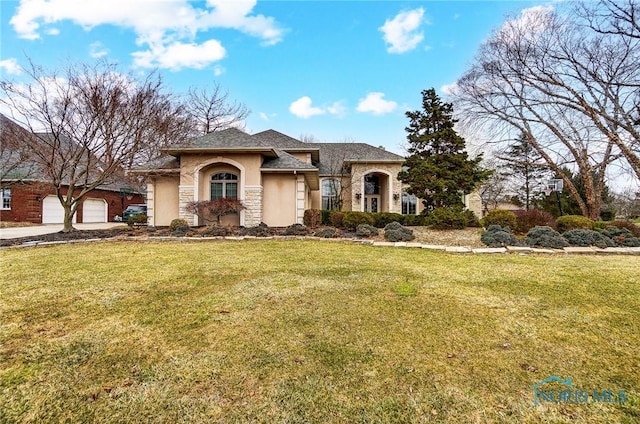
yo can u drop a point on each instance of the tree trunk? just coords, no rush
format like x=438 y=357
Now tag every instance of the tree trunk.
x=68 y=219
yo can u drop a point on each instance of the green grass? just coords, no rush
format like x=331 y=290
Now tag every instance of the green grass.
x=305 y=331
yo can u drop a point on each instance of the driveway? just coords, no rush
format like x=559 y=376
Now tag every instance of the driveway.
x=38 y=230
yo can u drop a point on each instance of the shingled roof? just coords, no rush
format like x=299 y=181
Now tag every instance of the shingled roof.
x=278 y=140
x=287 y=161
x=333 y=155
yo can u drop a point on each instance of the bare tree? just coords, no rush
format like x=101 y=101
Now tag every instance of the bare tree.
x=615 y=17
x=562 y=86
x=211 y=110
x=15 y=157
x=87 y=124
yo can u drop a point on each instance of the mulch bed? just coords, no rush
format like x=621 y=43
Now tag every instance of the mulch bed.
x=469 y=237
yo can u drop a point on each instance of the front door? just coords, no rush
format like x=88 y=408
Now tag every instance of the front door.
x=371 y=203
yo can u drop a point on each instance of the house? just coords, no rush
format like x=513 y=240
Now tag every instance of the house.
x=26 y=195
x=275 y=176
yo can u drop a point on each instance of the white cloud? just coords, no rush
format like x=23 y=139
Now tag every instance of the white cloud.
x=10 y=66
x=218 y=70
x=160 y=26
x=180 y=55
x=302 y=108
x=402 y=32
x=97 y=50
x=337 y=108
x=449 y=89
x=533 y=21
x=375 y=103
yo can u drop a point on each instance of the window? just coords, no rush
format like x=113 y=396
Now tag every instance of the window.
x=5 y=193
x=224 y=184
x=409 y=204
x=330 y=194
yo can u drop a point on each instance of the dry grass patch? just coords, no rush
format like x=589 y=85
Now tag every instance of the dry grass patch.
x=305 y=331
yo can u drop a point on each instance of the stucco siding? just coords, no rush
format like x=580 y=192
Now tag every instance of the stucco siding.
x=165 y=200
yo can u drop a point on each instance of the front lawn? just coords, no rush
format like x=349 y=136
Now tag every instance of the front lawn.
x=311 y=331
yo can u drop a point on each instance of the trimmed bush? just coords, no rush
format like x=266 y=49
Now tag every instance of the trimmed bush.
x=413 y=220
x=336 y=219
x=497 y=236
x=501 y=217
x=366 y=230
x=381 y=219
x=472 y=219
x=585 y=238
x=608 y=215
x=633 y=228
x=621 y=237
x=296 y=230
x=447 y=219
x=178 y=223
x=260 y=230
x=396 y=232
x=353 y=219
x=216 y=231
x=545 y=237
x=526 y=220
x=140 y=219
x=328 y=233
x=311 y=218
x=574 y=222
x=325 y=217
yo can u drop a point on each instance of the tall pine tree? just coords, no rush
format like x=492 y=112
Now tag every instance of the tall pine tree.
x=438 y=169
x=527 y=167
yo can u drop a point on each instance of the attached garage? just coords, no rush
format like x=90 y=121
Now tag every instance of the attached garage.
x=52 y=211
x=94 y=210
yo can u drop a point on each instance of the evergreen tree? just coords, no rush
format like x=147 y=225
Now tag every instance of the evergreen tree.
x=438 y=169
x=526 y=166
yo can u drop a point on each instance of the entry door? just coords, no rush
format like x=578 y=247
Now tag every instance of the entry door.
x=372 y=203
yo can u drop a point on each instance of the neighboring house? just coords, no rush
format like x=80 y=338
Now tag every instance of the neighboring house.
x=275 y=176
x=26 y=195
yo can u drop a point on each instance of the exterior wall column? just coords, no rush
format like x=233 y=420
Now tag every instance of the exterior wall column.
x=252 y=215
x=300 y=199
x=151 y=188
x=185 y=195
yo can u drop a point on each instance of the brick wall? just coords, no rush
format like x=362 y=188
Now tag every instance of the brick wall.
x=25 y=207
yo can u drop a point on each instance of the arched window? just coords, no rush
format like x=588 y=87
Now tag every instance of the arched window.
x=224 y=184
x=330 y=194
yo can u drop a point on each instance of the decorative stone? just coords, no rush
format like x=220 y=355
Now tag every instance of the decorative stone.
x=434 y=246
x=536 y=250
x=518 y=249
x=580 y=250
x=490 y=250
x=457 y=249
x=383 y=244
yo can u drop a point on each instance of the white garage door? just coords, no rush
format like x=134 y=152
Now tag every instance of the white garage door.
x=52 y=211
x=94 y=210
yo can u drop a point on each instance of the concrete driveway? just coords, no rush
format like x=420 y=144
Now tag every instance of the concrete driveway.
x=38 y=230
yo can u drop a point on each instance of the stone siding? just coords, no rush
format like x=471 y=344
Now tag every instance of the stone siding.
x=185 y=195
x=253 y=204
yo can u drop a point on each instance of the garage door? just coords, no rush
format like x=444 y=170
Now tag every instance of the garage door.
x=52 y=211
x=94 y=210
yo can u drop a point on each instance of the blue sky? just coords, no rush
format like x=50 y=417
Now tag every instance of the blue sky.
x=336 y=70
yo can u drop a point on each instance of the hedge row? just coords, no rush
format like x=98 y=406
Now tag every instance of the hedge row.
x=547 y=237
x=441 y=218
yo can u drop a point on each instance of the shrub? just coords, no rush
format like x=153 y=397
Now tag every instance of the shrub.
x=396 y=232
x=325 y=217
x=600 y=225
x=608 y=215
x=328 y=233
x=336 y=219
x=353 y=219
x=296 y=230
x=545 y=237
x=581 y=237
x=206 y=209
x=216 y=231
x=260 y=230
x=311 y=218
x=497 y=236
x=178 y=223
x=366 y=230
x=501 y=217
x=574 y=222
x=139 y=219
x=633 y=228
x=526 y=220
x=472 y=219
x=621 y=236
x=413 y=220
x=447 y=219
x=381 y=219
